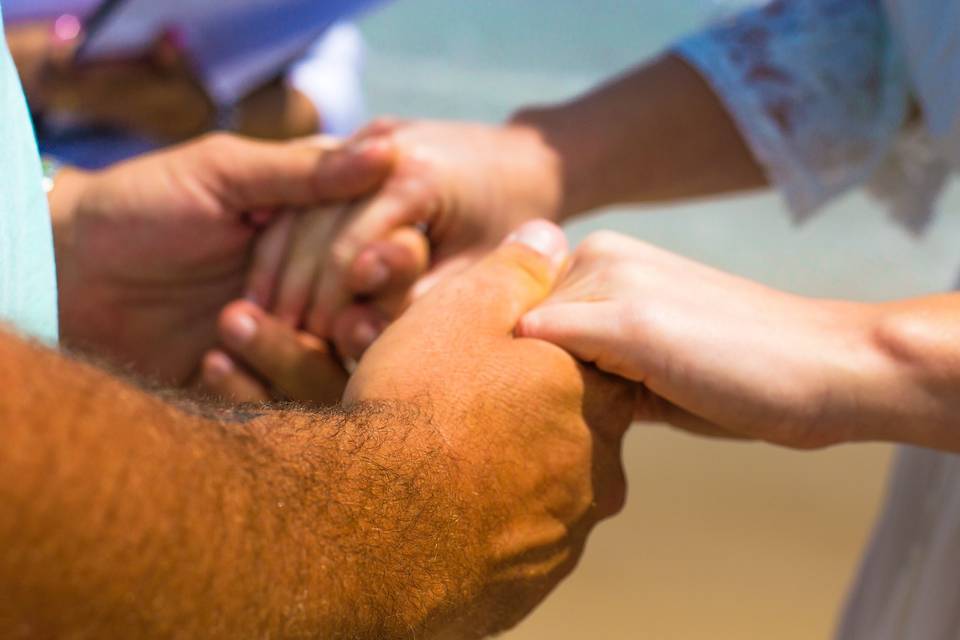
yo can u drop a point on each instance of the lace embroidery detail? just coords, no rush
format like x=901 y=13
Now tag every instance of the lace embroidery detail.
x=820 y=92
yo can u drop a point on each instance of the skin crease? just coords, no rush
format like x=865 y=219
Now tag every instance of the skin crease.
x=445 y=503
x=151 y=250
x=158 y=95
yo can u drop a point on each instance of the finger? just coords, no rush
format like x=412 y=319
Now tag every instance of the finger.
x=389 y=269
x=306 y=252
x=591 y=331
x=223 y=377
x=391 y=264
x=492 y=295
x=356 y=329
x=298 y=365
x=244 y=174
x=400 y=204
x=382 y=126
x=268 y=259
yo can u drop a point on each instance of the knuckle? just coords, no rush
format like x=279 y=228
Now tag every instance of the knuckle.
x=599 y=243
x=217 y=141
x=342 y=252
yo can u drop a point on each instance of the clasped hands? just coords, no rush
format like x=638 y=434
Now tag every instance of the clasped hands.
x=698 y=344
x=708 y=352
x=329 y=245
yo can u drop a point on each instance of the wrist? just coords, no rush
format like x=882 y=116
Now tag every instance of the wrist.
x=556 y=132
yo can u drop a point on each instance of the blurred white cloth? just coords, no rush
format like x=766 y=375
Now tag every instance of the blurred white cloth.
x=821 y=90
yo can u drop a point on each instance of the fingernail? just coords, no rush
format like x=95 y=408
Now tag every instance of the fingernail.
x=218 y=367
x=371 y=145
x=365 y=334
x=526 y=326
x=378 y=275
x=240 y=328
x=542 y=236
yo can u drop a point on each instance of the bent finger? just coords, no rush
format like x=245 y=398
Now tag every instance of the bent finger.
x=224 y=378
x=269 y=255
x=299 y=365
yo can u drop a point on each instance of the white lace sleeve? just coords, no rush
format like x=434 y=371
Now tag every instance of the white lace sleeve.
x=819 y=91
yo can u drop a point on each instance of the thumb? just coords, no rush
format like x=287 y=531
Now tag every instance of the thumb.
x=492 y=295
x=245 y=174
x=592 y=332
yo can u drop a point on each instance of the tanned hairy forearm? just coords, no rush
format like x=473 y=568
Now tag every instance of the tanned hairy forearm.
x=124 y=516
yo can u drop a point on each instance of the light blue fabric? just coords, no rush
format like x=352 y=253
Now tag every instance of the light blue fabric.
x=817 y=88
x=28 y=283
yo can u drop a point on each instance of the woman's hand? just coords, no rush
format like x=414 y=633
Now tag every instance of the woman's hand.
x=716 y=353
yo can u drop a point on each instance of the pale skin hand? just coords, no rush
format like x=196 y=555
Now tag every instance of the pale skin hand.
x=150 y=251
x=445 y=503
x=626 y=141
x=725 y=356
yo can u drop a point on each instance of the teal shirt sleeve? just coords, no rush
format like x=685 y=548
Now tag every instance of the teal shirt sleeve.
x=28 y=283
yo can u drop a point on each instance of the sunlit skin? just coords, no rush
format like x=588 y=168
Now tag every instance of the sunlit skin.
x=439 y=501
x=714 y=353
x=721 y=355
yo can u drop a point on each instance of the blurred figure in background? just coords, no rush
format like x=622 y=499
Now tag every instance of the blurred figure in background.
x=93 y=114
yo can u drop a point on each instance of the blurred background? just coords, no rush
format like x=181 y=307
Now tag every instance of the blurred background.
x=719 y=541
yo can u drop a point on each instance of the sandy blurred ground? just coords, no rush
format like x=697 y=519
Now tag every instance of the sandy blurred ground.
x=721 y=541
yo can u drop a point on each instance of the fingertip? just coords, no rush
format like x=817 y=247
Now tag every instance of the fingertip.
x=377 y=149
x=529 y=326
x=239 y=323
x=217 y=367
x=369 y=273
x=356 y=329
x=543 y=237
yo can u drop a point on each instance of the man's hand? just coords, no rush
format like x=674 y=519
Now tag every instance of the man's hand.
x=263 y=359
x=468 y=185
x=715 y=353
x=151 y=250
x=535 y=436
